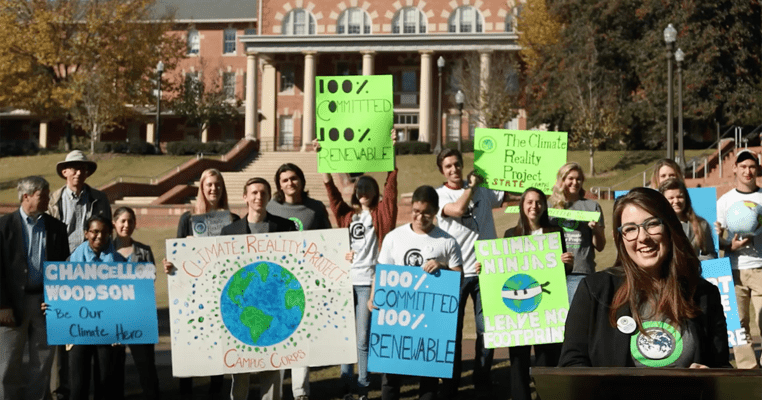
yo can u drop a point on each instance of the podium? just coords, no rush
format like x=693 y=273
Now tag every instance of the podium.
x=583 y=383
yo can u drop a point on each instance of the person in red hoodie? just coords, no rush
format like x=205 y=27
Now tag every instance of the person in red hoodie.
x=369 y=218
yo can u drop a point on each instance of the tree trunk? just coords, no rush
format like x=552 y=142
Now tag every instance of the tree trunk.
x=592 y=162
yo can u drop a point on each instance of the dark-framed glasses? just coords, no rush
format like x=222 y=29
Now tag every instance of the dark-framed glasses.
x=652 y=226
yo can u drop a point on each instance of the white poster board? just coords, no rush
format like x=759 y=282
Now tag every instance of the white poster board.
x=248 y=303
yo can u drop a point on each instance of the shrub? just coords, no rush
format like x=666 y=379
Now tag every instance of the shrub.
x=467 y=146
x=193 y=147
x=18 y=148
x=125 y=147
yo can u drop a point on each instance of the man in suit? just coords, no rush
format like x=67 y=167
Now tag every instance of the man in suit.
x=256 y=194
x=28 y=238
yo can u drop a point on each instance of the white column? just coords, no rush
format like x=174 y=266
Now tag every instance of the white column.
x=252 y=114
x=43 y=134
x=485 y=58
x=367 y=62
x=150 y=132
x=308 y=107
x=269 y=94
x=205 y=133
x=424 y=113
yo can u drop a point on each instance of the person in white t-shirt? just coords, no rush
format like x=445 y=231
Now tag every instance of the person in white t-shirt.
x=418 y=244
x=465 y=212
x=745 y=253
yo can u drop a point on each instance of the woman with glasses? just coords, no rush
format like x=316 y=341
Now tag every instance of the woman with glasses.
x=652 y=308
x=699 y=231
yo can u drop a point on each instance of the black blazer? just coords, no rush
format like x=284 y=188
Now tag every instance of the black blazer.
x=591 y=341
x=13 y=263
x=275 y=224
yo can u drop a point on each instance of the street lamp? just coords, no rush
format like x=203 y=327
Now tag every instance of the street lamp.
x=159 y=71
x=460 y=98
x=669 y=38
x=440 y=66
x=679 y=57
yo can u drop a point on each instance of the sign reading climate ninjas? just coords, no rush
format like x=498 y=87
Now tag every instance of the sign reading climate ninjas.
x=414 y=321
x=523 y=290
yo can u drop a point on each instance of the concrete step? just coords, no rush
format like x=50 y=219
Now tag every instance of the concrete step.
x=128 y=200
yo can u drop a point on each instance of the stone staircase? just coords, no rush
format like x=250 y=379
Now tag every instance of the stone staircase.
x=726 y=181
x=265 y=166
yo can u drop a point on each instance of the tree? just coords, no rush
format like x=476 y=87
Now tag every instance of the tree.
x=494 y=95
x=202 y=100
x=538 y=30
x=53 y=54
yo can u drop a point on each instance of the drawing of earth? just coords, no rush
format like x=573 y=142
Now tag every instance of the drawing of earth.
x=521 y=293
x=262 y=304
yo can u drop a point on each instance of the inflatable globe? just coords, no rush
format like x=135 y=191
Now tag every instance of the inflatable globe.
x=262 y=304
x=743 y=218
x=522 y=293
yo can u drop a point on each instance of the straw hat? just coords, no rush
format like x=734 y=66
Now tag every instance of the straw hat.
x=73 y=158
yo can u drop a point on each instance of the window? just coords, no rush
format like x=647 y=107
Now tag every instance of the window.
x=192 y=82
x=512 y=19
x=194 y=41
x=343 y=68
x=354 y=21
x=405 y=119
x=409 y=20
x=466 y=19
x=228 y=85
x=250 y=31
x=287 y=78
x=471 y=128
x=409 y=95
x=286 y=137
x=228 y=41
x=299 y=22
x=453 y=127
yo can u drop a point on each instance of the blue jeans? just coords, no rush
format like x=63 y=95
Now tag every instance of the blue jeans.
x=362 y=320
x=572 y=282
x=482 y=356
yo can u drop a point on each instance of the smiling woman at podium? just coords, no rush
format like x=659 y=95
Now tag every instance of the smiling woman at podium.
x=652 y=308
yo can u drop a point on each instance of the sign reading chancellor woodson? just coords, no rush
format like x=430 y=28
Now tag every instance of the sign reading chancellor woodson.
x=247 y=303
x=523 y=290
x=100 y=303
x=512 y=160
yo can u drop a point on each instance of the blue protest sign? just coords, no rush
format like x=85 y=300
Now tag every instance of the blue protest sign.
x=718 y=272
x=413 y=330
x=100 y=303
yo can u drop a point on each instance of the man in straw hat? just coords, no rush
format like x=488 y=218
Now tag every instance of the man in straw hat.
x=74 y=203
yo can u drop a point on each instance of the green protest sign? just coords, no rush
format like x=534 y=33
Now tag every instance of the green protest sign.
x=573 y=215
x=523 y=290
x=515 y=160
x=354 y=119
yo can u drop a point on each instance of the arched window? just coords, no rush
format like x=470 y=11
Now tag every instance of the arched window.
x=194 y=41
x=354 y=21
x=409 y=20
x=299 y=22
x=466 y=19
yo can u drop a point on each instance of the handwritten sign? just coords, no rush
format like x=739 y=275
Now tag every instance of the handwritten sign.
x=719 y=273
x=100 y=303
x=210 y=224
x=247 y=303
x=413 y=331
x=354 y=119
x=515 y=160
x=573 y=215
x=523 y=290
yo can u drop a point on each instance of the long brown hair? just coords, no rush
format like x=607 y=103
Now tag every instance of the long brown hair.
x=672 y=292
x=668 y=163
x=202 y=204
x=699 y=239
x=523 y=227
x=558 y=198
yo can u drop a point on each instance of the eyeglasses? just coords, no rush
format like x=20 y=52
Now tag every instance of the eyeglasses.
x=652 y=226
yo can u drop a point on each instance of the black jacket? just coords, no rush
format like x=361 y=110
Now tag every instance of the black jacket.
x=13 y=263
x=591 y=341
x=276 y=224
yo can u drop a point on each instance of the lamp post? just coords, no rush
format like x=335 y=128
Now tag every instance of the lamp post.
x=159 y=71
x=669 y=38
x=440 y=66
x=679 y=57
x=460 y=98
